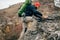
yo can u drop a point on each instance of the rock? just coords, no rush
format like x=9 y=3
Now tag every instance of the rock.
x=44 y=30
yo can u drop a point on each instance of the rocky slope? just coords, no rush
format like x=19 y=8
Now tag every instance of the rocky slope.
x=11 y=25
x=46 y=29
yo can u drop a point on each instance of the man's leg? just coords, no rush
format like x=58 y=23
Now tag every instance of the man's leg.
x=22 y=33
x=27 y=20
x=31 y=25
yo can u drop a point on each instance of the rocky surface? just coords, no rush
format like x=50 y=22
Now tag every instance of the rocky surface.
x=11 y=25
x=47 y=29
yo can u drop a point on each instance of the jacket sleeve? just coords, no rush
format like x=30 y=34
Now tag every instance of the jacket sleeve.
x=23 y=7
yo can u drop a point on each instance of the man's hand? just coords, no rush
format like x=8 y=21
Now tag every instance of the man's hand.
x=21 y=15
x=44 y=16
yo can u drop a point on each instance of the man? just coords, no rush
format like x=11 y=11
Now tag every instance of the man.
x=27 y=10
x=30 y=9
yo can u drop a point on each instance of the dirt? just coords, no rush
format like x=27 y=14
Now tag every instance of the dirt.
x=11 y=24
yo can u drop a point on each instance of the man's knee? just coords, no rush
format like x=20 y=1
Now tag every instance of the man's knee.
x=28 y=19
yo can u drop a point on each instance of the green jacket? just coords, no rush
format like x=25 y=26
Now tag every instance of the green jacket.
x=23 y=7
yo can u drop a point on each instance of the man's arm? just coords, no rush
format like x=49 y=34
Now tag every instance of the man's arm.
x=23 y=7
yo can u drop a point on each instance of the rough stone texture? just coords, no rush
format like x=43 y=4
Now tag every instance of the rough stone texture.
x=47 y=29
x=11 y=25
